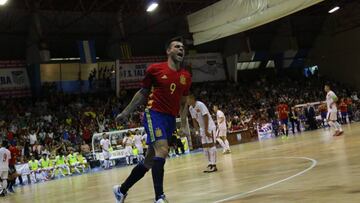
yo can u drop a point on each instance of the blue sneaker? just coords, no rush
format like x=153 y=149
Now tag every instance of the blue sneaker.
x=120 y=197
x=10 y=189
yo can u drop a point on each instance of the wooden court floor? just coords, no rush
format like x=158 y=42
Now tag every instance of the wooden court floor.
x=310 y=167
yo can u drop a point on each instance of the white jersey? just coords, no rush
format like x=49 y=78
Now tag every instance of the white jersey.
x=5 y=156
x=138 y=140
x=127 y=141
x=33 y=138
x=198 y=112
x=220 y=115
x=105 y=144
x=330 y=98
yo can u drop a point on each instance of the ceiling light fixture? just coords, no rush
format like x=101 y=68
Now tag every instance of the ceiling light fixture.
x=334 y=9
x=152 y=7
x=3 y=2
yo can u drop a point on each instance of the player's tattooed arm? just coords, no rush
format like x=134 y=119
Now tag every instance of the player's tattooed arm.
x=139 y=98
x=183 y=112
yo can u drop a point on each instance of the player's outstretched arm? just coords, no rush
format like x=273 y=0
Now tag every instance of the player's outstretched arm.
x=183 y=112
x=139 y=98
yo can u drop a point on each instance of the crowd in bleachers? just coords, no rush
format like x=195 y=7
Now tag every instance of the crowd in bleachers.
x=42 y=124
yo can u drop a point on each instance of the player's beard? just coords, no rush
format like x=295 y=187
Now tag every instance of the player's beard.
x=177 y=59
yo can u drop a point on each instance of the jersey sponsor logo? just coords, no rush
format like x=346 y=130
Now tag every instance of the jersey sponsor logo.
x=182 y=80
x=158 y=132
x=164 y=77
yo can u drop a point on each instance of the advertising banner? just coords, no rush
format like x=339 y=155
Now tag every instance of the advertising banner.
x=14 y=80
x=203 y=67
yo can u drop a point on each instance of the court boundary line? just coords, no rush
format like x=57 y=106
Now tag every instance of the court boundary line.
x=239 y=195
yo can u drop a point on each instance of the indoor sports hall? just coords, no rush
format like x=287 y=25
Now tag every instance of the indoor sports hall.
x=179 y=101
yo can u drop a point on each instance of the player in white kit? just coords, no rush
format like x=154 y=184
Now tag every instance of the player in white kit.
x=331 y=117
x=127 y=143
x=221 y=130
x=138 y=138
x=202 y=119
x=5 y=156
x=105 y=146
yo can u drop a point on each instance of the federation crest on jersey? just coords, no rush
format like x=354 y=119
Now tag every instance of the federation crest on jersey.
x=158 y=132
x=182 y=80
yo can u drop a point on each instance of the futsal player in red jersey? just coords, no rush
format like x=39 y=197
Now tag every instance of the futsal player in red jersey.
x=283 y=112
x=165 y=88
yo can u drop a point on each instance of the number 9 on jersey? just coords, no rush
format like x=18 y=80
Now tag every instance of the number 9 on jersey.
x=172 y=88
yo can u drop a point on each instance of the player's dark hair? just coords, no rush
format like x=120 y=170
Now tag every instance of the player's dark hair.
x=174 y=39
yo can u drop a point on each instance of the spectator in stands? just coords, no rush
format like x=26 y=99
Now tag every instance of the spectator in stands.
x=86 y=135
x=10 y=136
x=33 y=137
x=354 y=96
x=85 y=149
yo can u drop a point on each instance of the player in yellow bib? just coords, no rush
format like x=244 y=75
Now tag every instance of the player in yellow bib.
x=46 y=165
x=73 y=162
x=82 y=161
x=60 y=164
x=34 y=168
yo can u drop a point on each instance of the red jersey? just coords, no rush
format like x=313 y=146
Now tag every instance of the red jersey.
x=348 y=101
x=10 y=136
x=322 y=109
x=283 y=110
x=86 y=134
x=343 y=107
x=167 y=87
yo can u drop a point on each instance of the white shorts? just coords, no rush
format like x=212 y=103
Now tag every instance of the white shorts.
x=332 y=113
x=208 y=140
x=106 y=155
x=140 y=149
x=4 y=175
x=221 y=132
x=128 y=151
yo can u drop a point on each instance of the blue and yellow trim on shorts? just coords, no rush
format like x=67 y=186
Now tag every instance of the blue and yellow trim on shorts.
x=150 y=125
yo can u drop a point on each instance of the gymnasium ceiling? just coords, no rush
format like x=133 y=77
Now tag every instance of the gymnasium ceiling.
x=62 y=22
